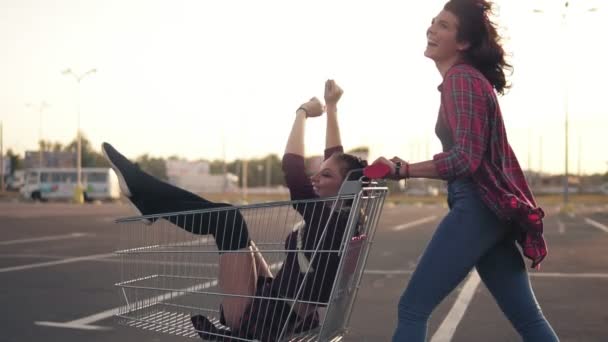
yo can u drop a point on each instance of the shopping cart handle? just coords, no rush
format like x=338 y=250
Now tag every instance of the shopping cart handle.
x=376 y=171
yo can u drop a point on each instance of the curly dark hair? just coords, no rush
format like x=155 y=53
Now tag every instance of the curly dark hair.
x=485 y=52
x=349 y=162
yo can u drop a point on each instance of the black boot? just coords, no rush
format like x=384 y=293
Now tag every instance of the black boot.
x=209 y=331
x=124 y=169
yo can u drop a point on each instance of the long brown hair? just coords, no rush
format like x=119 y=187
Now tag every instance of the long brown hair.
x=485 y=52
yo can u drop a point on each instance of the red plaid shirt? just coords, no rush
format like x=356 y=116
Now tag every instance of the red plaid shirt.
x=475 y=145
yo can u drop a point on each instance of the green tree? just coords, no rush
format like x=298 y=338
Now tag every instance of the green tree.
x=364 y=149
x=16 y=161
x=157 y=167
x=44 y=145
x=257 y=170
x=174 y=157
x=216 y=167
x=90 y=157
x=57 y=147
x=47 y=145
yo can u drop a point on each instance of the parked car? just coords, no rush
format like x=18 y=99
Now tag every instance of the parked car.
x=16 y=181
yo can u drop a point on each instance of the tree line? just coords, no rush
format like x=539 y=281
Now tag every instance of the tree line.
x=264 y=171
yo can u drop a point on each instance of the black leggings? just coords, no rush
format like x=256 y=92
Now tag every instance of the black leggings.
x=227 y=226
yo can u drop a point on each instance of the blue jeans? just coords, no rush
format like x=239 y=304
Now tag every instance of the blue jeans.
x=470 y=236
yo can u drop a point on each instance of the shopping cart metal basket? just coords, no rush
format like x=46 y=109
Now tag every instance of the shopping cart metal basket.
x=169 y=275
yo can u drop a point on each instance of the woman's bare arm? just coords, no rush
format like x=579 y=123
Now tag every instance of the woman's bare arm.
x=295 y=142
x=333 y=92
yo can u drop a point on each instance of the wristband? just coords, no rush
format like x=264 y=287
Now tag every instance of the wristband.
x=303 y=109
x=397 y=169
x=407 y=170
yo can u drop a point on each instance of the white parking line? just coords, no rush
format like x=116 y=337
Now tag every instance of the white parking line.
x=85 y=322
x=30 y=256
x=56 y=262
x=532 y=275
x=414 y=223
x=596 y=224
x=387 y=272
x=446 y=330
x=45 y=238
x=561 y=227
x=94 y=257
x=570 y=275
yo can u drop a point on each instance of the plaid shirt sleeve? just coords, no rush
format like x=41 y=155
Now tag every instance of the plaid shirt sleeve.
x=465 y=112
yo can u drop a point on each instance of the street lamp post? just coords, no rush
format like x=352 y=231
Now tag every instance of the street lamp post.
x=41 y=108
x=566 y=86
x=78 y=78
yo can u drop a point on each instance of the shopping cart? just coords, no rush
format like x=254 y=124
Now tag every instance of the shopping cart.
x=169 y=275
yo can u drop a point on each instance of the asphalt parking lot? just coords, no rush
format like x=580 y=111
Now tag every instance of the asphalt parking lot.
x=58 y=270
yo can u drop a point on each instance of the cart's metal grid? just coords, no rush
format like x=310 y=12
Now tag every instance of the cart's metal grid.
x=168 y=275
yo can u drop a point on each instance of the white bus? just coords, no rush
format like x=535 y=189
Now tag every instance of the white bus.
x=59 y=183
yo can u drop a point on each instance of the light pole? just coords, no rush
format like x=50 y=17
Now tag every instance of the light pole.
x=268 y=172
x=566 y=70
x=244 y=178
x=43 y=105
x=78 y=78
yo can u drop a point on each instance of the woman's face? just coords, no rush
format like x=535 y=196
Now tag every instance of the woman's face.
x=442 y=44
x=327 y=181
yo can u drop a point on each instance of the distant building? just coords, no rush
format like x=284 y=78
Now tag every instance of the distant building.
x=194 y=176
x=49 y=159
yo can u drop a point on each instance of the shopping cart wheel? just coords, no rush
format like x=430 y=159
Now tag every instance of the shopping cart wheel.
x=377 y=171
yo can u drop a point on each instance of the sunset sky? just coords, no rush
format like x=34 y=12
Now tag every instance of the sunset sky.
x=214 y=79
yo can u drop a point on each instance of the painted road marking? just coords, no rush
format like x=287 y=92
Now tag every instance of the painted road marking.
x=596 y=224
x=415 y=223
x=30 y=256
x=561 y=227
x=94 y=257
x=85 y=322
x=570 y=275
x=45 y=238
x=532 y=275
x=387 y=272
x=57 y=262
x=446 y=330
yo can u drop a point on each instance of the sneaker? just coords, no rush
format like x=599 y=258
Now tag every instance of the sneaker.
x=119 y=163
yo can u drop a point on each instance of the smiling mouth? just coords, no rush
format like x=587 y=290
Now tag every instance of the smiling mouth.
x=431 y=44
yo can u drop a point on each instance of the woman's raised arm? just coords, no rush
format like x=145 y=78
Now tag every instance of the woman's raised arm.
x=333 y=92
x=295 y=142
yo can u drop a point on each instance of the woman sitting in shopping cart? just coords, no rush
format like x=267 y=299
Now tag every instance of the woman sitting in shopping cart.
x=243 y=275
